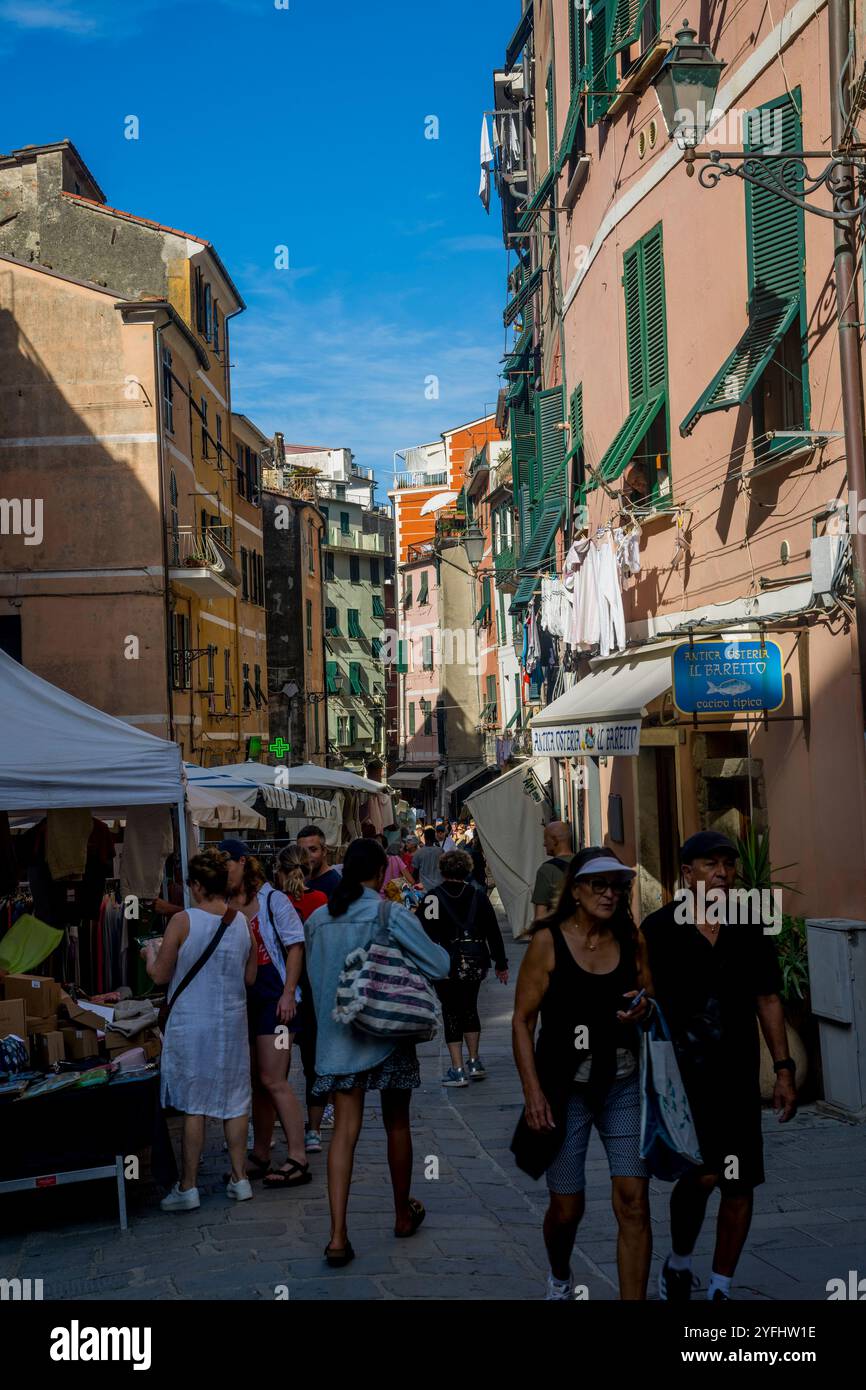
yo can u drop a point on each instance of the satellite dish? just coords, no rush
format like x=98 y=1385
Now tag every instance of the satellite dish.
x=435 y=504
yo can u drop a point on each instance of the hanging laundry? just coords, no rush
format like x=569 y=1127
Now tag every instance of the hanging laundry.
x=515 y=152
x=611 y=613
x=147 y=843
x=627 y=543
x=555 y=607
x=486 y=160
x=66 y=834
x=581 y=577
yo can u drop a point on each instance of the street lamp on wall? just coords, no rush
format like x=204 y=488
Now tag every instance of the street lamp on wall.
x=473 y=544
x=686 y=87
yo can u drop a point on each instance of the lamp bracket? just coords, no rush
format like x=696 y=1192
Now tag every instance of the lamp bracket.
x=776 y=172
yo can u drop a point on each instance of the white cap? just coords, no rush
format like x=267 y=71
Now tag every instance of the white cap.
x=604 y=864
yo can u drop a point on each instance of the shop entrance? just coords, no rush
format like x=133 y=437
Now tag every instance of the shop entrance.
x=659 y=831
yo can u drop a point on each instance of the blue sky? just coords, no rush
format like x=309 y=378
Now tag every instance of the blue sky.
x=305 y=127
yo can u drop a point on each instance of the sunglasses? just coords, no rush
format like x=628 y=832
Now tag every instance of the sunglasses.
x=600 y=886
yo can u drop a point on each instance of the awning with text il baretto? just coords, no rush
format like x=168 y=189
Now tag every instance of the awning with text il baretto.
x=601 y=715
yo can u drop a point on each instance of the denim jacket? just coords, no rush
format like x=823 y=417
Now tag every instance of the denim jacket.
x=339 y=1049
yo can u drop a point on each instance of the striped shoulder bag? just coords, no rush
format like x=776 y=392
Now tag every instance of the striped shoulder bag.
x=381 y=994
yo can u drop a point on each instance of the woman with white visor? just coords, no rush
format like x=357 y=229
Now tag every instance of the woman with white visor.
x=585 y=976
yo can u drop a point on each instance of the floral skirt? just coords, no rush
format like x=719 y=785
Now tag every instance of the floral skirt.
x=399 y=1072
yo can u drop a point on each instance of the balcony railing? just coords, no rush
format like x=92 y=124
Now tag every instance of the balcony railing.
x=356 y=539
x=505 y=561
x=192 y=550
x=403 y=480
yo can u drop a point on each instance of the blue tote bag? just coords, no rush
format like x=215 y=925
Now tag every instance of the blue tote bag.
x=669 y=1143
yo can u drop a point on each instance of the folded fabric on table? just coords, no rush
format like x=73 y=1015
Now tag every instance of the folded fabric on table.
x=132 y=1015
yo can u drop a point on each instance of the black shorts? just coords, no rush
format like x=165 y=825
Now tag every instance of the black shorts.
x=262 y=1000
x=727 y=1116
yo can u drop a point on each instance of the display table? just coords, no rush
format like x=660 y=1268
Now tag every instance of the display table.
x=82 y=1135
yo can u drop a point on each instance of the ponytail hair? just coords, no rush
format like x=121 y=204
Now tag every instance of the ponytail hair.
x=363 y=860
x=293 y=866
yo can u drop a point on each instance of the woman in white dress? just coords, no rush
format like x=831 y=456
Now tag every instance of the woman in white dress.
x=205 y=1065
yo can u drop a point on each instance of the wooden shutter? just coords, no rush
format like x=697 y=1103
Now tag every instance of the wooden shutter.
x=653 y=293
x=774 y=228
x=550 y=445
x=631 y=278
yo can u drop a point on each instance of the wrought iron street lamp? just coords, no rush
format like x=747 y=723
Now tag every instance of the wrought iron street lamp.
x=686 y=88
x=473 y=544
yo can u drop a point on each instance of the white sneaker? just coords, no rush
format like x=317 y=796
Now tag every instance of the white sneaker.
x=181 y=1201
x=559 y=1290
x=240 y=1191
x=328 y=1117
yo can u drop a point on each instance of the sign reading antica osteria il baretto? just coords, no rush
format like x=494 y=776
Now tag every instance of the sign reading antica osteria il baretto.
x=605 y=740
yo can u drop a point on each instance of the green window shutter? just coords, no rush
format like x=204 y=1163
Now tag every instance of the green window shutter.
x=378 y=606
x=601 y=65
x=576 y=45
x=525 y=589
x=407 y=592
x=522 y=442
x=501 y=629
x=576 y=436
x=626 y=439
x=525 y=518
x=542 y=538
x=355 y=677
x=355 y=623
x=550 y=448
x=653 y=311
x=626 y=25
x=775 y=228
x=411 y=716
x=742 y=370
x=551 y=116
x=402 y=665
x=423 y=591
x=376 y=648
x=631 y=280
x=331 y=671
x=353 y=728
x=427 y=651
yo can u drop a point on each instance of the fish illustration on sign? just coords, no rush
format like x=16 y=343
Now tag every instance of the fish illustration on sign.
x=731 y=687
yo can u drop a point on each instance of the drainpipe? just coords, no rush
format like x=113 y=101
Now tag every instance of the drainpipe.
x=166 y=583
x=849 y=329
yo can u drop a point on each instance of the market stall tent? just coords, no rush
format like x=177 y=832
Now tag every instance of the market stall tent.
x=56 y=751
x=510 y=823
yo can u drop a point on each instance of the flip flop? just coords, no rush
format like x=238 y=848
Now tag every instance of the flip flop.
x=338 y=1258
x=418 y=1213
x=285 y=1177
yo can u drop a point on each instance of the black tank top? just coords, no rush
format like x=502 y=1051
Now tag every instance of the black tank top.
x=576 y=998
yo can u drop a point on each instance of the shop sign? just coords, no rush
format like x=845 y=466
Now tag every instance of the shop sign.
x=728 y=677
x=607 y=740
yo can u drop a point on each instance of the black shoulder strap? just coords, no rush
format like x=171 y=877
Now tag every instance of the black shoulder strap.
x=202 y=960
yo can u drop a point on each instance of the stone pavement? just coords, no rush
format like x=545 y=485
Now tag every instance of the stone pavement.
x=482 y=1236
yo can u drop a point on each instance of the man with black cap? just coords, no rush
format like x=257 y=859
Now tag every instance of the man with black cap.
x=712 y=977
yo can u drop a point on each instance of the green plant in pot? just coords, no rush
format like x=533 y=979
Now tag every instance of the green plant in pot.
x=756 y=871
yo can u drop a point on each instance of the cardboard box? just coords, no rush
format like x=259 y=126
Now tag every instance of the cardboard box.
x=79 y=1014
x=48 y=1048
x=13 y=1019
x=40 y=1027
x=41 y=994
x=80 y=1043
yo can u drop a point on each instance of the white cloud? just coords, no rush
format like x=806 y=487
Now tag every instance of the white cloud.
x=326 y=372
x=64 y=18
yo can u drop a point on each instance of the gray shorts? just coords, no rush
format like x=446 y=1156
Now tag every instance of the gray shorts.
x=618 y=1124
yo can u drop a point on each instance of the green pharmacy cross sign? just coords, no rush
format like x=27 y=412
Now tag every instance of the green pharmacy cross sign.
x=281 y=748
x=728 y=677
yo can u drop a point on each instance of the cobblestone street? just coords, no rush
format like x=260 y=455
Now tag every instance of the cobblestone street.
x=482 y=1236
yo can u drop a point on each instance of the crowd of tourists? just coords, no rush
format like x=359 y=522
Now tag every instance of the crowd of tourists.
x=255 y=966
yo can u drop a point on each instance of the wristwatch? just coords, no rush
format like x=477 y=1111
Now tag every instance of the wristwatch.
x=786 y=1064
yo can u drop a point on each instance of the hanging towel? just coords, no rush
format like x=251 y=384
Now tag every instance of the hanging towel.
x=66 y=836
x=612 y=616
x=27 y=944
x=581 y=571
x=147 y=843
x=486 y=160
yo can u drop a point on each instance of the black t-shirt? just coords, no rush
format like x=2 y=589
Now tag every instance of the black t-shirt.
x=326 y=882
x=708 y=993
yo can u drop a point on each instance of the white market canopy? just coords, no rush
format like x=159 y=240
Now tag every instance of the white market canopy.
x=218 y=808
x=56 y=751
x=248 y=780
